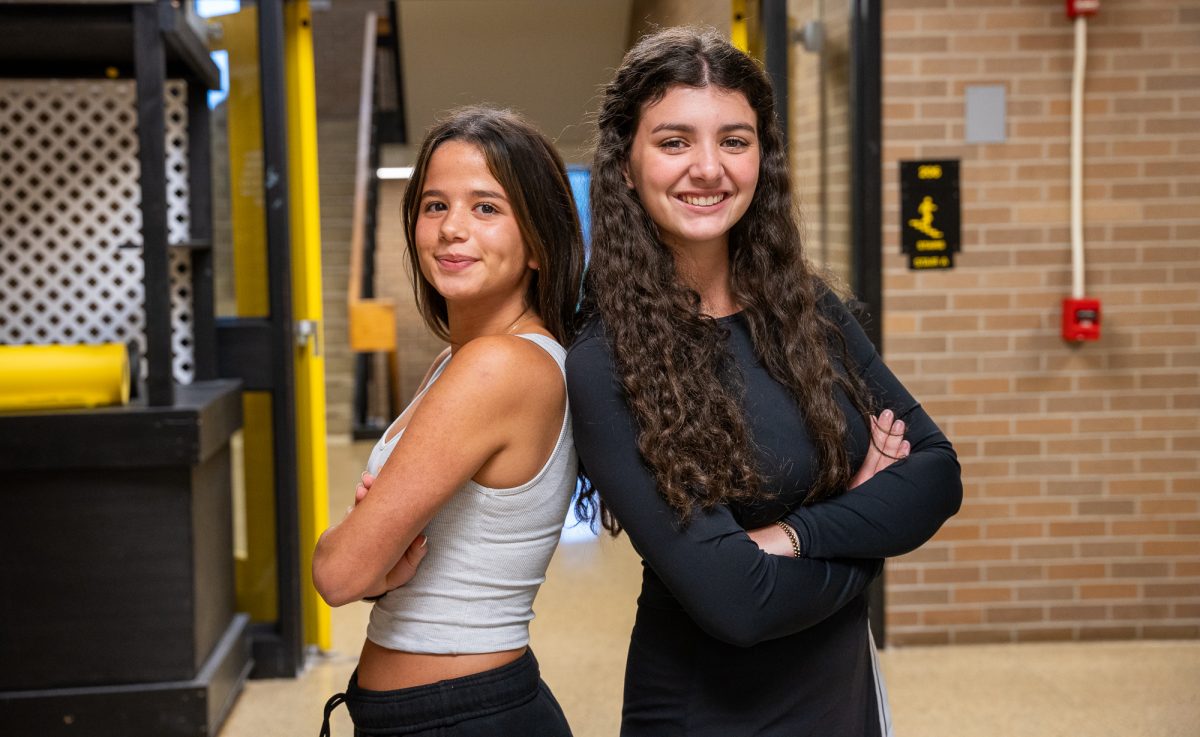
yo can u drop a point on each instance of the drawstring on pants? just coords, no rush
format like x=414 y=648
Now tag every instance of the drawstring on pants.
x=334 y=701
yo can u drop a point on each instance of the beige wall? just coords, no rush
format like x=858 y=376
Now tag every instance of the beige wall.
x=1081 y=463
x=648 y=15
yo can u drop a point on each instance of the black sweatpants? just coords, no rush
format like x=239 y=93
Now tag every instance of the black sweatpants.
x=511 y=700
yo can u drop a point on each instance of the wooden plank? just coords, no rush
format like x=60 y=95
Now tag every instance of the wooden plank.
x=372 y=326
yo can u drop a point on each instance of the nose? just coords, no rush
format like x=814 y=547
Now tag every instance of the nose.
x=453 y=228
x=707 y=167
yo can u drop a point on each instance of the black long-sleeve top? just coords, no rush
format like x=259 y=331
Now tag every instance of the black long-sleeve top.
x=733 y=641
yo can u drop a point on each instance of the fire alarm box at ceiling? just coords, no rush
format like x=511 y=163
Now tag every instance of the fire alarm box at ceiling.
x=1076 y=8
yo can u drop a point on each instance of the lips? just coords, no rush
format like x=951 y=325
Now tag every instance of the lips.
x=702 y=200
x=455 y=262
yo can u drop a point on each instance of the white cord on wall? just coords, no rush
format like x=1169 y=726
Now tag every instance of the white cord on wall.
x=1077 y=157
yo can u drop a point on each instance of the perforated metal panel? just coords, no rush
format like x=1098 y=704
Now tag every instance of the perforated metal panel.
x=70 y=241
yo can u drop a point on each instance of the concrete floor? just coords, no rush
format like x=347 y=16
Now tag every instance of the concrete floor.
x=585 y=611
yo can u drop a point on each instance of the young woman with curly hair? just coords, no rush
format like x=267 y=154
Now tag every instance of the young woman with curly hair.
x=470 y=485
x=722 y=399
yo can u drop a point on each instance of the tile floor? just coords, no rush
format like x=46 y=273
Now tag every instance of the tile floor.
x=585 y=611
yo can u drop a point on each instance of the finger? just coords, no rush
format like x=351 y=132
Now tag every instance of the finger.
x=879 y=440
x=417 y=550
x=406 y=567
x=905 y=449
x=367 y=479
x=891 y=446
x=359 y=493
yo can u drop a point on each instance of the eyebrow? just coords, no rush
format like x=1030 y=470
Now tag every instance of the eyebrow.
x=685 y=128
x=485 y=194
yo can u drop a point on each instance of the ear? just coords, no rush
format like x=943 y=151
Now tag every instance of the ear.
x=533 y=264
x=625 y=175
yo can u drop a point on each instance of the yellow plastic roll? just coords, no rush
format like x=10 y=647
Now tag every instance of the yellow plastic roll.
x=63 y=376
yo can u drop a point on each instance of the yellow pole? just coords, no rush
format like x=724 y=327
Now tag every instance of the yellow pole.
x=312 y=473
x=739 y=34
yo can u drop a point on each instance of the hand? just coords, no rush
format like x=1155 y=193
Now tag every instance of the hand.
x=360 y=492
x=887 y=446
x=364 y=485
x=406 y=567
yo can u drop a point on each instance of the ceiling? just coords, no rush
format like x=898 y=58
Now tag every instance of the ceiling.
x=545 y=58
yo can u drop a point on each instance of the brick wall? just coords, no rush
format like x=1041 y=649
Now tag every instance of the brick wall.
x=1081 y=464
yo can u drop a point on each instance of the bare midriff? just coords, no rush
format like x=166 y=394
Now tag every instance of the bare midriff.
x=384 y=669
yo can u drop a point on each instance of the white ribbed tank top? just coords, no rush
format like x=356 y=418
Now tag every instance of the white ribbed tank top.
x=488 y=553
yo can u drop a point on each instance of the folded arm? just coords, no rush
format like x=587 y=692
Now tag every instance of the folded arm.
x=473 y=408
x=730 y=588
x=901 y=507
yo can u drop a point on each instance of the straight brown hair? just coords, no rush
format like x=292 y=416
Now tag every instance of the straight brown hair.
x=535 y=182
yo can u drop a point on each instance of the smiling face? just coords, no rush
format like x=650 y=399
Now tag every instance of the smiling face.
x=468 y=241
x=694 y=164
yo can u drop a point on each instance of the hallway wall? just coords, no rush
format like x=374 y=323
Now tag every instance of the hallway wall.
x=1081 y=465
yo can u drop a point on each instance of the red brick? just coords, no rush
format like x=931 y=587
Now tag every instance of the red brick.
x=1106 y=632
x=1108 y=591
x=1057 y=592
x=1015 y=572
x=952 y=617
x=1012 y=615
x=950 y=574
x=1072 y=571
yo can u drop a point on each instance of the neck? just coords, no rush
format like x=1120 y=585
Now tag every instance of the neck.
x=705 y=268
x=477 y=319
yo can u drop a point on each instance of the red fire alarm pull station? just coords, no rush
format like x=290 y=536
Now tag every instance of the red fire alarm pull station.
x=1081 y=319
x=1076 y=8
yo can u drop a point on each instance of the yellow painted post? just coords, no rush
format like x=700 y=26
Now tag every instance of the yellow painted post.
x=745 y=31
x=311 y=456
x=738 y=31
x=257 y=579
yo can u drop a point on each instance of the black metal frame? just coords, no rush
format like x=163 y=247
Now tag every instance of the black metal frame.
x=150 y=68
x=204 y=330
x=282 y=648
x=866 y=186
x=866 y=192
x=401 y=121
x=866 y=160
x=777 y=43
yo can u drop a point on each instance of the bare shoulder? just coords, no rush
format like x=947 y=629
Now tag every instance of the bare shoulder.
x=506 y=367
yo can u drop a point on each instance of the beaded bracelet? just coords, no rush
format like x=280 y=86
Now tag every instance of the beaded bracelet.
x=790 y=536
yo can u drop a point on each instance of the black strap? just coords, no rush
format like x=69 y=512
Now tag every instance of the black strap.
x=334 y=701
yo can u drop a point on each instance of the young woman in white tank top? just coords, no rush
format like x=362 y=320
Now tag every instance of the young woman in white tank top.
x=472 y=481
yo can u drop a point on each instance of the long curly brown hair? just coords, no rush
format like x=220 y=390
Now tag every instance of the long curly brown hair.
x=671 y=359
